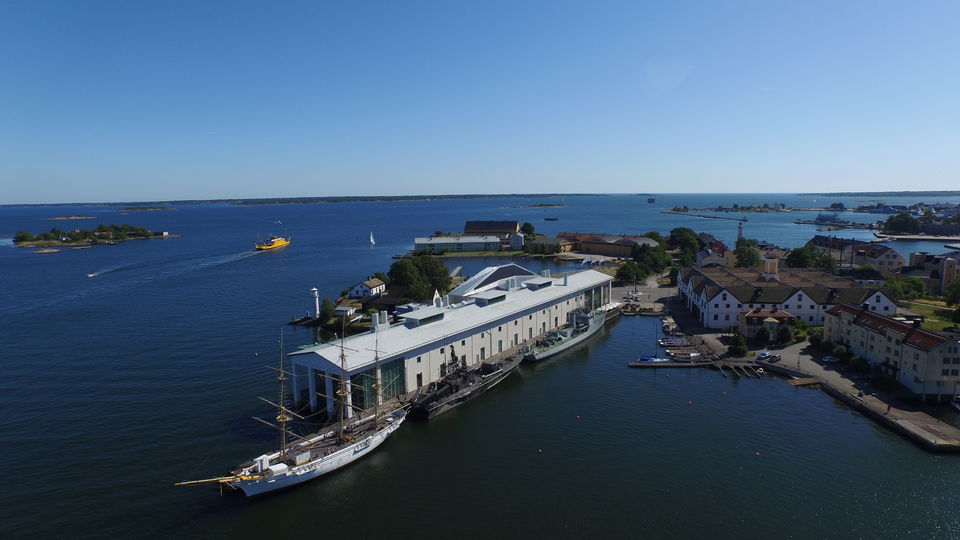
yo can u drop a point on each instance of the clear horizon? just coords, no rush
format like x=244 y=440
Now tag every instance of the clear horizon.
x=118 y=101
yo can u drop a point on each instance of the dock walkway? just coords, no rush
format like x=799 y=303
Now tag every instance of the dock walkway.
x=904 y=418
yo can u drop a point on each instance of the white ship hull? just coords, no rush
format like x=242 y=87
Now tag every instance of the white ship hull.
x=258 y=485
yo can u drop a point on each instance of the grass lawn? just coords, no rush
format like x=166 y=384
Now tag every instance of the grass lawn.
x=937 y=318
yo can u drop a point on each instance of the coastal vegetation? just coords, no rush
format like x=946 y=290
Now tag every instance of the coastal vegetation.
x=902 y=223
x=103 y=234
x=422 y=276
x=809 y=256
x=141 y=208
x=910 y=288
x=748 y=256
x=749 y=208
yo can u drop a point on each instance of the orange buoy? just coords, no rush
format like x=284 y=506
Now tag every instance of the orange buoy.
x=689 y=403
x=756 y=453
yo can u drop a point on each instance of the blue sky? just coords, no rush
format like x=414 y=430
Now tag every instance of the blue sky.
x=159 y=100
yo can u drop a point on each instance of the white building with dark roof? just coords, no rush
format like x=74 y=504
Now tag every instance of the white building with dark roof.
x=370 y=287
x=442 y=244
x=925 y=362
x=717 y=295
x=492 y=314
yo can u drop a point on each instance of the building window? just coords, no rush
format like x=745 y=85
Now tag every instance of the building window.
x=530 y=317
x=418 y=359
x=955 y=372
x=886 y=308
x=516 y=322
x=728 y=306
x=724 y=297
x=463 y=342
x=739 y=306
x=811 y=306
x=500 y=329
x=716 y=317
x=945 y=372
x=716 y=306
x=728 y=317
x=811 y=317
x=441 y=350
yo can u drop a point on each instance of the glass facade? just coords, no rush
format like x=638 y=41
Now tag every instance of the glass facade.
x=391 y=383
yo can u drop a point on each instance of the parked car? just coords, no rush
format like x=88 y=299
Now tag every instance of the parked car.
x=830 y=359
x=763 y=356
x=774 y=358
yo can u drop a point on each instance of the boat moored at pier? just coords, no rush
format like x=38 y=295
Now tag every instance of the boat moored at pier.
x=459 y=386
x=582 y=326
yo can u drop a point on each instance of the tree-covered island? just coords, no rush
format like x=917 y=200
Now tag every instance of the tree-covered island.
x=103 y=234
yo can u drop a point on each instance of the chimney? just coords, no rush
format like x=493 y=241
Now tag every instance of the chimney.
x=770 y=269
x=565 y=279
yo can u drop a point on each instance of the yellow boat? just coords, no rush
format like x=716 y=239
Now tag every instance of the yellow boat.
x=274 y=242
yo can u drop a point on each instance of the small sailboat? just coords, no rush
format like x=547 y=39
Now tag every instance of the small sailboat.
x=372 y=241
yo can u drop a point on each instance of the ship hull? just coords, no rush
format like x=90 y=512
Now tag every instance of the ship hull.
x=317 y=468
x=442 y=405
x=596 y=322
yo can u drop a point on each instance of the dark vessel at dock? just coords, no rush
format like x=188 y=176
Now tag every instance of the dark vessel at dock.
x=460 y=385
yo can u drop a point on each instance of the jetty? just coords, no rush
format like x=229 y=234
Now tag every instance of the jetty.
x=705 y=216
x=902 y=417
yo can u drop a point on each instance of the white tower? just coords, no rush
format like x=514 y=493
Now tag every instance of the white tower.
x=316 y=302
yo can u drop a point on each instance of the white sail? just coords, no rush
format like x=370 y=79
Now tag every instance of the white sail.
x=372 y=242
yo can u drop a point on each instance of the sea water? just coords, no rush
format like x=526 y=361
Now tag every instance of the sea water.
x=116 y=386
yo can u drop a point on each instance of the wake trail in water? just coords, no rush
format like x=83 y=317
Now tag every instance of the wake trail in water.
x=162 y=270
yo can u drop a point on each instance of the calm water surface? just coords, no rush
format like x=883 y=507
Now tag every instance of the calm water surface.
x=117 y=386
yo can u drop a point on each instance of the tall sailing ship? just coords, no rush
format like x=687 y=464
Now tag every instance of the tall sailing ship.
x=313 y=456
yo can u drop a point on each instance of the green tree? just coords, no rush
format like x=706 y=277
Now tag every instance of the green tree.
x=327 y=309
x=747 y=257
x=903 y=223
x=952 y=293
x=405 y=273
x=738 y=347
x=746 y=242
x=654 y=235
x=906 y=289
x=23 y=236
x=527 y=228
x=382 y=277
x=434 y=272
x=784 y=334
x=684 y=239
x=654 y=258
x=629 y=272
x=762 y=337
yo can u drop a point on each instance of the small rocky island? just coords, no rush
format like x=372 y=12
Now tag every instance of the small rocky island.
x=102 y=235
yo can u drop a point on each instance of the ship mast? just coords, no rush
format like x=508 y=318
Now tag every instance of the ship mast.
x=376 y=380
x=342 y=391
x=282 y=417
